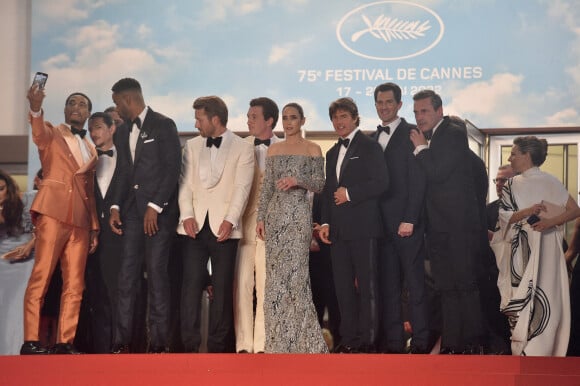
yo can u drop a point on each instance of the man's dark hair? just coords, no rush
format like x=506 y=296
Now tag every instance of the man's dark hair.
x=106 y=118
x=436 y=101
x=269 y=108
x=346 y=104
x=389 y=86
x=89 y=103
x=126 y=84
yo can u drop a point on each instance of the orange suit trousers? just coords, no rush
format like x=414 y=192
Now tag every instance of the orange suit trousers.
x=56 y=241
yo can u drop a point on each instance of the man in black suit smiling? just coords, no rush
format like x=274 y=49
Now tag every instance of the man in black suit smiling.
x=454 y=223
x=148 y=208
x=101 y=274
x=402 y=249
x=356 y=176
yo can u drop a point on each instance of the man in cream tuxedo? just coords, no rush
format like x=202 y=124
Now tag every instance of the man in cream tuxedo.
x=216 y=179
x=250 y=332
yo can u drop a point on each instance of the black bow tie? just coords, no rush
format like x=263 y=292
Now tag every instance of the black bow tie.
x=213 y=142
x=105 y=152
x=428 y=134
x=76 y=131
x=344 y=142
x=386 y=129
x=258 y=141
x=136 y=121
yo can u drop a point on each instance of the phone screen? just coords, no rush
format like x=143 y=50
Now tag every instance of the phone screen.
x=40 y=79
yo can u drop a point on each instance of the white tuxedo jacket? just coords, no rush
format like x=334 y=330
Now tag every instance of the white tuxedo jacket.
x=219 y=191
x=251 y=214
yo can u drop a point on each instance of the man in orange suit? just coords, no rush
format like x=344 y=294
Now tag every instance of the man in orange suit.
x=64 y=215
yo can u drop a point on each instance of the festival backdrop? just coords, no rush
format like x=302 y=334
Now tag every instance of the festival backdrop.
x=498 y=63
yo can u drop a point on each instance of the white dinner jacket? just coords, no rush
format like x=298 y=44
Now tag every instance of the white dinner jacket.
x=251 y=214
x=219 y=191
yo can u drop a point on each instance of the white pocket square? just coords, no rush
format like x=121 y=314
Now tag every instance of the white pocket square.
x=149 y=140
x=354 y=157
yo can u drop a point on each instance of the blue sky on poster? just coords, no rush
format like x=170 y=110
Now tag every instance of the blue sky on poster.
x=516 y=63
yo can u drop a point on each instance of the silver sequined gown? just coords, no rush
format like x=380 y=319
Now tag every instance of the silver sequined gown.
x=290 y=317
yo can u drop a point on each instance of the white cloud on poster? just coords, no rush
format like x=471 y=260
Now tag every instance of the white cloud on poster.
x=279 y=52
x=51 y=13
x=144 y=32
x=565 y=117
x=497 y=98
x=567 y=13
x=221 y=10
x=97 y=63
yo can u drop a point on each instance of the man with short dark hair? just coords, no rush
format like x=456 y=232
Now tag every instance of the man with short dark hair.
x=251 y=259
x=64 y=214
x=102 y=270
x=454 y=221
x=145 y=212
x=356 y=176
x=402 y=259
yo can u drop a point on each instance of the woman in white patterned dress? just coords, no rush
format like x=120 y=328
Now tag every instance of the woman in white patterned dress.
x=533 y=279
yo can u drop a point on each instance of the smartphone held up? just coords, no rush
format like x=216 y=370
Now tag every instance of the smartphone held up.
x=40 y=79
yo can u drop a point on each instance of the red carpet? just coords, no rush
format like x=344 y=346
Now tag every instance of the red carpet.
x=231 y=369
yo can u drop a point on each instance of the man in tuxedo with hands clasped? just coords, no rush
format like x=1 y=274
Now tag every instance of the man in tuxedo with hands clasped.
x=356 y=176
x=145 y=212
x=216 y=179
x=402 y=258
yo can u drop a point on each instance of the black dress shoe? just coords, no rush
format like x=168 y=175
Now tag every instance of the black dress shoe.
x=475 y=349
x=418 y=350
x=243 y=352
x=158 y=350
x=120 y=349
x=65 y=348
x=33 y=347
x=367 y=349
x=447 y=350
x=345 y=349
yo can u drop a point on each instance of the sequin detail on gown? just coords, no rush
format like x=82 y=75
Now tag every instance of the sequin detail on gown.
x=291 y=322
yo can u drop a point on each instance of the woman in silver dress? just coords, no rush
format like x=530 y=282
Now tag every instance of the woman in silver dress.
x=293 y=167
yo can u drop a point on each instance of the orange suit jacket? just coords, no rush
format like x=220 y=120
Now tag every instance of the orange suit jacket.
x=66 y=192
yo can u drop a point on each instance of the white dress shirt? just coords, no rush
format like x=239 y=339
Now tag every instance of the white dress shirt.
x=384 y=138
x=105 y=170
x=135 y=132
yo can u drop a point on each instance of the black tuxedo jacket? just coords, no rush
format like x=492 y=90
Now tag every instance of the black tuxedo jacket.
x=452 y=200
x=492 y=214
x=365 y=176
x=153 y=175
x=403 y=201
x=104 y=200
x=481 y=185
